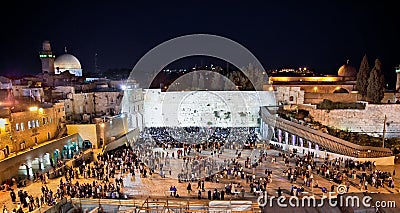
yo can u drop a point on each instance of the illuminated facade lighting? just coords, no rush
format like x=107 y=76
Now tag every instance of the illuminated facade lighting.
x=33 y=108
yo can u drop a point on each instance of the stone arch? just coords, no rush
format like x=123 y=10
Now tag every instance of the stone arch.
x=7 y=150
x=340 y=90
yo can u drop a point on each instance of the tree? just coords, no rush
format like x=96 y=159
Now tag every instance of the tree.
x=362 y=77
x=376 y=83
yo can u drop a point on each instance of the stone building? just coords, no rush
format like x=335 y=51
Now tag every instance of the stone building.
x=133 y=106
x=343 y=82
x=5 y=83
x=31 y=126
x=337 y=88
x=83 y=107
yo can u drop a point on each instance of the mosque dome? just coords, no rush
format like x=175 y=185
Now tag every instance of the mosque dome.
x=67 y=62
x=347 y=70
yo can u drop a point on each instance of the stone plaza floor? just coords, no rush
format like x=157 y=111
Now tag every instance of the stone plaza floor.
x=157 y=187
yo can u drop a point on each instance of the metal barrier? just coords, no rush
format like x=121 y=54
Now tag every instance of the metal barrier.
x=158 y=205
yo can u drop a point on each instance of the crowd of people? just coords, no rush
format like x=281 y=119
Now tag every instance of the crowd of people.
x=300 y=170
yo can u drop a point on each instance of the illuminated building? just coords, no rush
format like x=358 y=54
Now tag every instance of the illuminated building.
x=25 y=126
x=47 y=58
x=316 y=88
x=63 y=63
x=67 y=62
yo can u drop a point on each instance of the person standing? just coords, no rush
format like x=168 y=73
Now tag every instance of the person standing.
x=174 y=189
x=189 y=188
x=13 y=196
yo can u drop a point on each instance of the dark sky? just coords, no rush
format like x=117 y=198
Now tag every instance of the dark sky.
x=316 y=34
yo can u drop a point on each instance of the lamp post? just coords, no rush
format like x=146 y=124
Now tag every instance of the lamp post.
x=102 y=125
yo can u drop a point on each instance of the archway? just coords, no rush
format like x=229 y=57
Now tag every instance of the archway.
x=25 y=171
x=7 y=151
x=56 y=157
x=46 y=160
x=340 y=90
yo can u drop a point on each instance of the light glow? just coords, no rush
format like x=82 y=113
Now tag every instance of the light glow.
x=33 y=108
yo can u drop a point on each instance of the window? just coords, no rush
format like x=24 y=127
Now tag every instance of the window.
x=33 y=124
x=22 y=145
x=291 y=98
x=22 y=127
x=44 y=121
x=16 y=127
x=51 y=120
x=29 y=125
x=37 y=123
x=67 y=106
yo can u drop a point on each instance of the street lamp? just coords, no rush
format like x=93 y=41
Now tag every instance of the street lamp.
x=102 y=141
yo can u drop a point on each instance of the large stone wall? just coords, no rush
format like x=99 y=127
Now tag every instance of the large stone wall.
x=289 y=95
x=205 y=108
x=370 y=120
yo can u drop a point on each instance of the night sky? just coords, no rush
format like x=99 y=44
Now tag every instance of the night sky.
x=315 y=34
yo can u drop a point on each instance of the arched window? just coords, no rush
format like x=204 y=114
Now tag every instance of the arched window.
x=22 y=127
x=16 y=127
x=29 y=125
x=291 y=98
x=37 y=123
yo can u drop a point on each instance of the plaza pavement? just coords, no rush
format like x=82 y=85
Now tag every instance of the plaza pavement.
x=156 y=186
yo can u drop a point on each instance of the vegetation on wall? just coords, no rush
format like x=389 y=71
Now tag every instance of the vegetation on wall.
x=330 y=105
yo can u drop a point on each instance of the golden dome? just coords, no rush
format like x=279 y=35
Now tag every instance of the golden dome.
x=347 y=70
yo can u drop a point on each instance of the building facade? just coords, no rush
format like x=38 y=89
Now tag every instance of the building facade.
x=25 y=129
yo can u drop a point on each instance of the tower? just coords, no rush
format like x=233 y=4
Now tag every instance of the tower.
x=47 y=58
x=398 y=78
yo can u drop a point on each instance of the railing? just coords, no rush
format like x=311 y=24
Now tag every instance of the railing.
x=161 y=204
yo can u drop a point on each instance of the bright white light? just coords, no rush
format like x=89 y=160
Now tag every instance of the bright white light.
x=123 y=87
x=33 y=108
